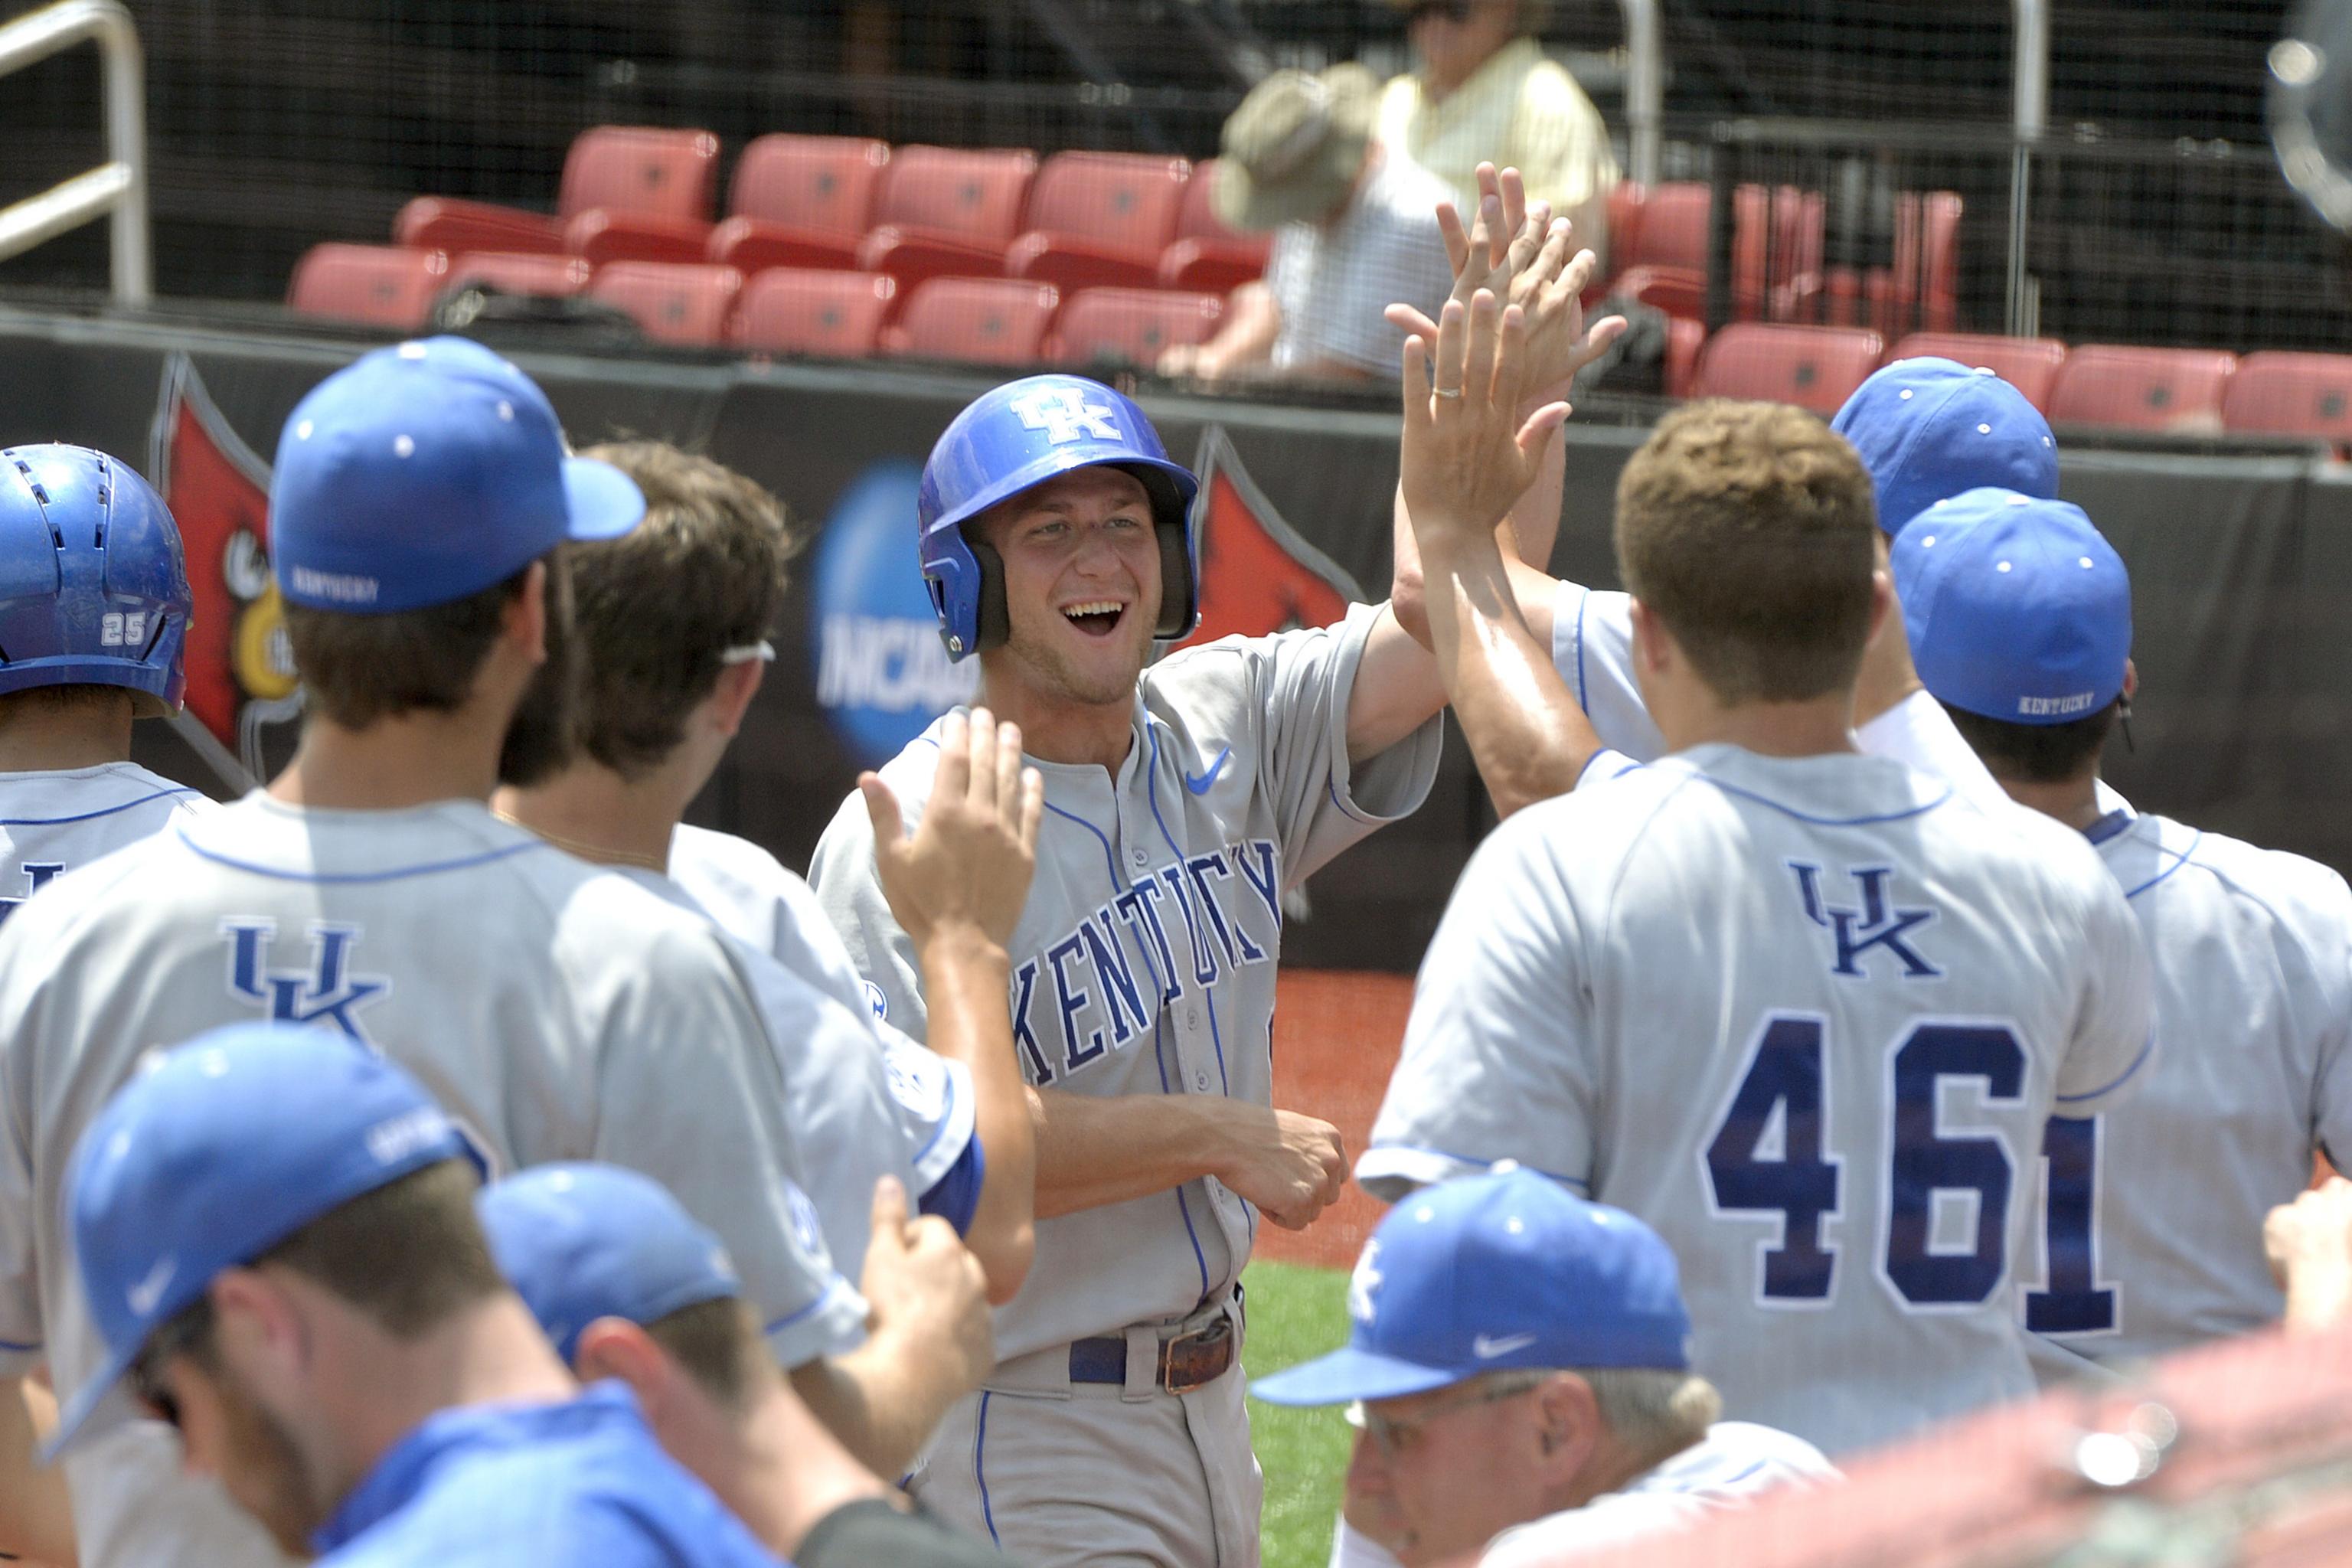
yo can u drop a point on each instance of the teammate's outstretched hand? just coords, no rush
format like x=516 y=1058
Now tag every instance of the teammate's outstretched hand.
x=1466 y=455
x=928 y=1291
x=2309 y=1244
x=1291 y=1166
x=969 y=861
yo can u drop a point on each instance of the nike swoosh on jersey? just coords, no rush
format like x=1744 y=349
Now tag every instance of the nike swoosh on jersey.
x=1200 y=785
x=1486 y=1349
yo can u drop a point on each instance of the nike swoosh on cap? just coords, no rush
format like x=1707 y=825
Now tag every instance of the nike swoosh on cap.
x=1486 y=1349
x=1200 y=785
x=143 y=1295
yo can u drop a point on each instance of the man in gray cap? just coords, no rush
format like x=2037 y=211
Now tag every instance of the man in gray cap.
x=1357 y=232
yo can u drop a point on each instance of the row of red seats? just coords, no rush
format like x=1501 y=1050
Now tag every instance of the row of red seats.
x=792 y=309
x=1658 y=253
x=2181 y=390
x=1076 y=220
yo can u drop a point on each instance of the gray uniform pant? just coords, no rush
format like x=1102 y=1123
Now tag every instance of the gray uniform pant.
x=1096 y=1476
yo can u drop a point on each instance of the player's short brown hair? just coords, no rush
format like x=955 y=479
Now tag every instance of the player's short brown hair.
x=358 y=669
x=720 y=1345
x=702 y=574
x=2037 y=754
x=409 y=1256
x=1748 y=530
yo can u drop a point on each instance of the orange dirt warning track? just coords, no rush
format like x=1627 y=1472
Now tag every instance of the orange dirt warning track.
x=1335 y=1036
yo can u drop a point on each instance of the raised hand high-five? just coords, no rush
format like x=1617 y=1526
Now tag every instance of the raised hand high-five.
x=1467 y=454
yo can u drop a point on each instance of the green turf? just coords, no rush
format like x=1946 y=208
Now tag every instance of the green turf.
x=1295 y=1314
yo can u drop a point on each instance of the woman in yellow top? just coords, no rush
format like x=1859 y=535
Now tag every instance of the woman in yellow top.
x=1484 y=92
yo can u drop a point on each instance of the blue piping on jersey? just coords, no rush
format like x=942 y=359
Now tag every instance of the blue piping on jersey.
x=462 y=863
x=1111 y=862
x=1579 y=1183
x=2122 y=1079
x=12 y=1345
x=1743 y=1474
x=947 y=1115
x=1583 y=599
x=1825 y=821
x=1185 y=890
x=2180 y=858
x=2107 y=826
x=978 y=1444
x=87 y=816
x=831 y=1292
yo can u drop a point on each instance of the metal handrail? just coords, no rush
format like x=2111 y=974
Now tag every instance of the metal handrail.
x=1645 y=92
x=116 y=188
x=2022 y=317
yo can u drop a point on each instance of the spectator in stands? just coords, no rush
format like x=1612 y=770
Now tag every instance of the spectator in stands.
x=1357 y=232
x=629 y=1287
x=1472 y=1302
x=1484 y=92
x=275 y=1228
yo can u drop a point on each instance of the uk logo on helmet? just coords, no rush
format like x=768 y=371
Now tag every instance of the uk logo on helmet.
x=1064 y=414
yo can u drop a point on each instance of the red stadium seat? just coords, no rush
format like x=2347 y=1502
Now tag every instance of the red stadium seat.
x=1627 y=201
x=2280 y=393
x=521 y=272
x=987 y=320
x=673 y=301
x=1671 y=232
x=752 y=245
x=975 y=195
x=1775 y=250
x=1212 y=266
x=2142 y=389
x=639 y=170
x=915 y=256
x=1125 y=200
x=1073 y=264
x=382 y=285
x=1196 y=215
x=2029 y=364
x=789 y=310
x=601 y=234
x=1812 y=367
x=821 y=182
x=1131 y=325
x=1685 y=339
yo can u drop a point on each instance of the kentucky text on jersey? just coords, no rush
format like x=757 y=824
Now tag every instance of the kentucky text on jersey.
x=1092 y=990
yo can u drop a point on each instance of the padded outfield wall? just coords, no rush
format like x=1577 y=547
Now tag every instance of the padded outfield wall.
x=2242 y=564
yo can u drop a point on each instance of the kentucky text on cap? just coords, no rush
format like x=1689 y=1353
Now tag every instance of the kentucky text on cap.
x=423 y=473
x=228 y=1145
x=1505 y=1269
x=1930 y=429
x=580 y=1242
x=2017 y=608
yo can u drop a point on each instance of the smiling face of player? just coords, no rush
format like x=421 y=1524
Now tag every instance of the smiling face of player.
x=1081 y=591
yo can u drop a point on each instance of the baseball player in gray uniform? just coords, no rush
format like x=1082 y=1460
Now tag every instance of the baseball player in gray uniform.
x=94 y=602
x=2019 y=615
x=672 y=619
x=420 y=499
x=1801 y=1010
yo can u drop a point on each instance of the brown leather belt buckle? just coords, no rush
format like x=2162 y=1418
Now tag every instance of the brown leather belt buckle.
x=1197 y=1359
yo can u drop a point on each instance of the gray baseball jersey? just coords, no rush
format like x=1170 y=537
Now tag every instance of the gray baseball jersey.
x=860 y=1108
x=2152 y=1221
x=1593 y=648
x=1144 y=961
x=52 y=822
x=1806 y=1016
x=561 y=1011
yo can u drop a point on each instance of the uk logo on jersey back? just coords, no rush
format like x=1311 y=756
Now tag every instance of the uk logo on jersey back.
x=1876 y=924
x=37 y=875
x=325 y=992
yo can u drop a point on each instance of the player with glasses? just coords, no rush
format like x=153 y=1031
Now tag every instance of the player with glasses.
x=1519 y=1365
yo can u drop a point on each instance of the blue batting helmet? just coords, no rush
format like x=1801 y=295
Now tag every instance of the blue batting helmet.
x=93 y=586
x=1020 y=434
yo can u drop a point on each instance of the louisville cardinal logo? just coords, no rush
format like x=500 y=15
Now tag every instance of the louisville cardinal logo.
x=1259 y=575
x=240 y=672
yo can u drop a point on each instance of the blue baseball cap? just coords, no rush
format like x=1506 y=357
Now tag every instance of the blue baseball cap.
x=422 y=473
x=2017 y=608
x=1503 y=1269
x=581 y=1242
x=220 y=1149
x=1929 y=429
